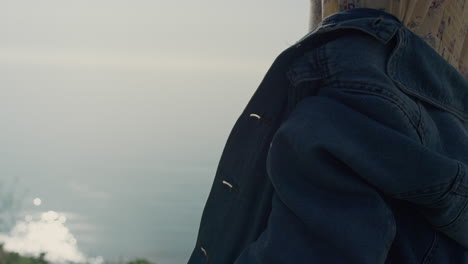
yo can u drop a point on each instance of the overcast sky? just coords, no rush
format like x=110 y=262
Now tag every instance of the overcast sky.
x=117 y=69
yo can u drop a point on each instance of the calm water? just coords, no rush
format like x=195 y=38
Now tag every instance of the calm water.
x=152 y=214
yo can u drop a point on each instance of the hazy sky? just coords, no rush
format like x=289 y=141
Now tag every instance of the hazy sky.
x=101 y=72
x=126 y=105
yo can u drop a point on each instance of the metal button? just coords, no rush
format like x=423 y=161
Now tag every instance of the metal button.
x=229 y=185
x=256 y=116
x=204 y=251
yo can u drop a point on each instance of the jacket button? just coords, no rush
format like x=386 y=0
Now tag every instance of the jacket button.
x=257 y=116
x=229 y=185
x=377 y=21
x=204 y=252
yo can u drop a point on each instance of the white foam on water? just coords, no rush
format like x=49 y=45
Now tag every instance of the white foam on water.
x=46 y=234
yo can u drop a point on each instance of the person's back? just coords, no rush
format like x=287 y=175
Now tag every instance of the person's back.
x=354 y=149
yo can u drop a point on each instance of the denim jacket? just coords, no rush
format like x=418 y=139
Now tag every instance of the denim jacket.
x=353 y=149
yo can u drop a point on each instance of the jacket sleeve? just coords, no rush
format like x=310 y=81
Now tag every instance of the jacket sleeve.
x=333 y=164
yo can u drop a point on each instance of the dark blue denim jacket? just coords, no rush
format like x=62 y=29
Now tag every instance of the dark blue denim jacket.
x=354 y=149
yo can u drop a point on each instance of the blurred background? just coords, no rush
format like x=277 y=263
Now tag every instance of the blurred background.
x=114 y=114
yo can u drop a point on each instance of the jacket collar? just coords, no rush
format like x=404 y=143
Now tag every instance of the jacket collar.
x=414 y=66
x=420 y=71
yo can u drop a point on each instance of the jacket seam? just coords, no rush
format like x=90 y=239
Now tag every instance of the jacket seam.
x=443 y=106
x=461 y=188
x=430 y=252
x=447 y=187
x=430 y=190
x=383 y=94
x=453 y=225
x=323 y=59
x=397 y=79
x=421 y=125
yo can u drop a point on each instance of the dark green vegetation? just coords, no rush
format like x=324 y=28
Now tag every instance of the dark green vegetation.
x=15 y=258
x=140 y=261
